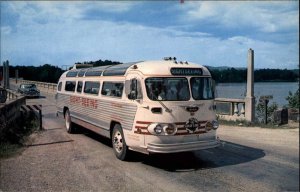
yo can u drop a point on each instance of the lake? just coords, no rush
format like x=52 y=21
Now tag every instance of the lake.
x=279 y=90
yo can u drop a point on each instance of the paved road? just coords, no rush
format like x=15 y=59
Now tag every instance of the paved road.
x=251 y=159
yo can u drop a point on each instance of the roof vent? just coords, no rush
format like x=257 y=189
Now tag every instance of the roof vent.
x=169 y=58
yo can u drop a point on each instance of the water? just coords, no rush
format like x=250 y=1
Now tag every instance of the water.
x=279 y=90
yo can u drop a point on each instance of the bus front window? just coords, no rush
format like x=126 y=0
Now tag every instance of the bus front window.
x=202 y=88
x=167 y=89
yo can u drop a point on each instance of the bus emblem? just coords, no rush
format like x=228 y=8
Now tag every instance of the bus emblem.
x=191 y=125
x=192 y=109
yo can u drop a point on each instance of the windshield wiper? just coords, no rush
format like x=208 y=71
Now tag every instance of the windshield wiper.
x=166 y=108
x=162 y=104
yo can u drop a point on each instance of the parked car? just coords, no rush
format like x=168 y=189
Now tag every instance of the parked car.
x=29 y=90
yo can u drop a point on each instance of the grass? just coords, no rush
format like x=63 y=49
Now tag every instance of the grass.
x=16 y=134
x=8 y=149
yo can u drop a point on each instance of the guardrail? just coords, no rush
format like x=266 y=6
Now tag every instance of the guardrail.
x=230 y=109
x=12 y=94
x=43 y=86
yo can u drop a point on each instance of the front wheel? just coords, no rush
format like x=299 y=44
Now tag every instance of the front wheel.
x=118 y=143
x=68 y=122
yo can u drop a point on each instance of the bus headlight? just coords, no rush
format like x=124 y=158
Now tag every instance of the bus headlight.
x=170 y=129
x=162 y=129
x=158 y=129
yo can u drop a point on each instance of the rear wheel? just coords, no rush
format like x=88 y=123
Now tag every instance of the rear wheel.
x=118 y=143
x=68 y=122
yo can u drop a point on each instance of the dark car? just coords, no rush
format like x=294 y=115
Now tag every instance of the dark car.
x=29 y=90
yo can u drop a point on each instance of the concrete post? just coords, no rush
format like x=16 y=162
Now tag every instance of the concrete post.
x=17 y=75
x=250 y=99
x=4 y=74
x=7 y=75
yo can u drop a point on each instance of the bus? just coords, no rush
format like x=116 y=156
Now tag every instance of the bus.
x=164 y=106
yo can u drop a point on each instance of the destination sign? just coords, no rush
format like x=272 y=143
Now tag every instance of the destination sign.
x=186 y=71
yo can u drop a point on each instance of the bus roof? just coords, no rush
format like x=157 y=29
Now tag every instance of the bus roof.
x=164 y=67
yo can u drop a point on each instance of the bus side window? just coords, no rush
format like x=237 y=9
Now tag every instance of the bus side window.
x=114 y=89
x=91 y=87
x=59 y=86
x=79 y=87
x=70 y=86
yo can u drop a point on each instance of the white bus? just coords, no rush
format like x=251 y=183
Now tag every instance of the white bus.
x=162 y=106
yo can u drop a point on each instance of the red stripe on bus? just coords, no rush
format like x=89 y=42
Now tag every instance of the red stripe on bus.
x=139 y=127
x=143 y=122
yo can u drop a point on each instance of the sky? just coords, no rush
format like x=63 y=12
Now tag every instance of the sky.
x=213 y=33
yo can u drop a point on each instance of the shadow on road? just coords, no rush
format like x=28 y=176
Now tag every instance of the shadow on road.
x=229 y=154
x=92 y=135
x=36 y=97
x=50 y=143
x=225 y=155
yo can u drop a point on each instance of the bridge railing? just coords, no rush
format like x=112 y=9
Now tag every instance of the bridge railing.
x=43 y=86
x=12 y=94
x=230 y=109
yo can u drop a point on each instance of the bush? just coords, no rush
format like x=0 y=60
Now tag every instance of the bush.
x=293 y=100
x=260 y=112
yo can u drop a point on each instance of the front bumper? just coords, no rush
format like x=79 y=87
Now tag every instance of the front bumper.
x=182 y=147
x=31 y=94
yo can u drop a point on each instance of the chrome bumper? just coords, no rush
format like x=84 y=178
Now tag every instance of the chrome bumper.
x=181 y=147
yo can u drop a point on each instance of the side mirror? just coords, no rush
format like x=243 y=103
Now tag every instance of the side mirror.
x=131 y=89
x=132 y=95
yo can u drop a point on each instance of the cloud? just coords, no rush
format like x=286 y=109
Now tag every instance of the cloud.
x=6 y=30
x=59 y=11
x=56 y=33
x=267 y=17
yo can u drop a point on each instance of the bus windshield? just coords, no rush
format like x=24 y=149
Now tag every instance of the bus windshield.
x=202 y=88
x=167 y=89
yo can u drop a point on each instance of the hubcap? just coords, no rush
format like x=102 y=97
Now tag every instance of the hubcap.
x=118 y=141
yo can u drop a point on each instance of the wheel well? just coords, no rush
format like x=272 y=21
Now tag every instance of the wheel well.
x=112 y=124
x=65 y=109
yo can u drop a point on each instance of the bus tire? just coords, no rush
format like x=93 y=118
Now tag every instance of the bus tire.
x=118 y=142
x=68 y=122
